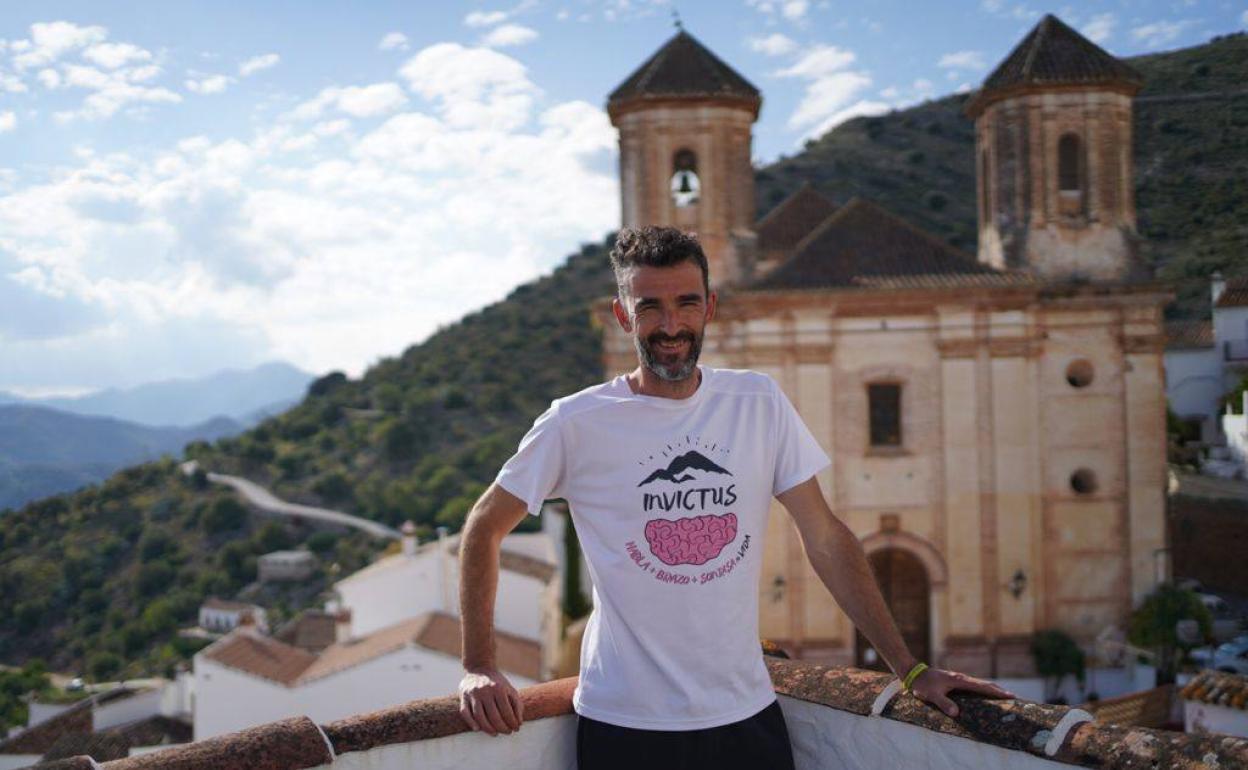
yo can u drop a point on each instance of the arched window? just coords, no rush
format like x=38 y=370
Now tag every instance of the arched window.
x=685 y=186
x=1069 y=164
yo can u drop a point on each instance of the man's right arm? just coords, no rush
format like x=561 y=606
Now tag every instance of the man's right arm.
x=487 y=701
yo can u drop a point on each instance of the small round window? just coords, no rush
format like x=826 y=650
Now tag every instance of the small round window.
x=1079 y=373
x=1083 y=481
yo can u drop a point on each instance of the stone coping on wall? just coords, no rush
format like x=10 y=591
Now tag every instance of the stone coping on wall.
x=297 y=743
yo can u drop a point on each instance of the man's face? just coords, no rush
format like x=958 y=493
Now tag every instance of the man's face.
x=666 y=309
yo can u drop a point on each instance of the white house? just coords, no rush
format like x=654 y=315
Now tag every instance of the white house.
x=222 y=615
x=248 y=679
x=1205 y=359
x=285 y=565
x=1216 y=702
x=425 y=578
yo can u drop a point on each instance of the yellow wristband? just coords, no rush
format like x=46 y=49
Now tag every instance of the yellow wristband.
x=908 y=681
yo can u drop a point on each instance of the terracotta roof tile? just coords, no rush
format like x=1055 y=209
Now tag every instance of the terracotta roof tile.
x=863 y=242
x=1188 y=334
x=524 y=564
x=793 y=219
x=40 y=738
x=99 y=746
x=262 y=656
x=684 y=68
x=1219 y=688
x=1053 y=54
x=213 y=603
x=1149 y=708
x=354 y=652
x=1235 y=294
x=515 y=654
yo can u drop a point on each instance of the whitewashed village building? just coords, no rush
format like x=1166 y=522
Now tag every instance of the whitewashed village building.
x=391 y=635
x=220 y=616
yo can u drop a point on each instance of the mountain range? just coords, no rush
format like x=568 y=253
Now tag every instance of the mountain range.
x=677 y=470
x=243 y=395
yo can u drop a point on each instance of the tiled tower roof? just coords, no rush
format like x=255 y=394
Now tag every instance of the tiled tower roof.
x=684 y=68
x=1053 y=54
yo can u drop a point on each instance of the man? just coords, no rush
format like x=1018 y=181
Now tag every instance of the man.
x=669 y=472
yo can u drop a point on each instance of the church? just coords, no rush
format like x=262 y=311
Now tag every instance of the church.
x=996 y=422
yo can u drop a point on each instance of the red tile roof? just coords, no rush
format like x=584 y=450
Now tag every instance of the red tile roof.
x=1235 y=294
x=793 y=219
x=862 y=242
x=263 y=656
x=1219 y=688
x=1188 y=334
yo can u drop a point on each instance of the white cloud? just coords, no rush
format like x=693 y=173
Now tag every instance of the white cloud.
x=51 y=40
x=922 y=84
x=257 y=63
x=8 y=121
x=818 y=61
x=11 y=84
x=485 y=18
x=393 y=41
x=890 y=93
x=1160 y=33
x=114 y=55
x=1244 y=19
x=357 y=101
x=832 y=90
x=49 y=77
x=112 y=90
x=774 y=44
x=962 y=60
x=509 y=35
x=794 y=9
x=207 y=253
x=472 y=86
x=209 y=84
x=1100 y=27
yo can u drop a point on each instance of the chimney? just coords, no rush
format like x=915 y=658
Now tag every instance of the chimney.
x=444 y=566
x=342 y=625
x=1217 y=285
x=409 y=538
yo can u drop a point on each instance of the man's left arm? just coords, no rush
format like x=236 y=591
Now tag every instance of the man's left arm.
x=841 y=564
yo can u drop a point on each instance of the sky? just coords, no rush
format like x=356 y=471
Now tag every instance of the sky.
x=192 y=186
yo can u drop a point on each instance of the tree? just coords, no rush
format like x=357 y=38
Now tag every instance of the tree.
x=1057 y=656
x=224 y=515
x=1153 y=625
x=103 y=665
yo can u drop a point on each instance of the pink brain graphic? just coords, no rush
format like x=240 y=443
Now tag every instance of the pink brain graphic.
x=692 y=540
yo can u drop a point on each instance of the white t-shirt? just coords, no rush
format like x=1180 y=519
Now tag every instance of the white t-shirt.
x=670 y=500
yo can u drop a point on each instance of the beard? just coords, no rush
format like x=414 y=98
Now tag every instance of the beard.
x=670 y=367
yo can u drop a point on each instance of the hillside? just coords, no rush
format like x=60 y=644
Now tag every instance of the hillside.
x=1191 y=166
x=44 y=451
x=108 y=573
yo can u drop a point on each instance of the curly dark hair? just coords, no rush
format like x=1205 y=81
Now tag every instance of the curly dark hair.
x=656 y=247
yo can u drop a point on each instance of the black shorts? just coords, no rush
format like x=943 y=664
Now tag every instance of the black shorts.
x=760 y=742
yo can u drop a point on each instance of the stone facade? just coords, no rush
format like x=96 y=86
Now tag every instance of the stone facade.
x=1028 y=488
x=1027 y=220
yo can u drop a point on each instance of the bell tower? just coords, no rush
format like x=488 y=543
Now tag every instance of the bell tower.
x=1053 y=159
x=685 y=119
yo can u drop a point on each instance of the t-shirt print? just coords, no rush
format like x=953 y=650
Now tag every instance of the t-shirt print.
x=691 y=498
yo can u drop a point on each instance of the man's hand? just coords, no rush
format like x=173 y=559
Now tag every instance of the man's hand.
x=933 y=686
x=489 y=703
